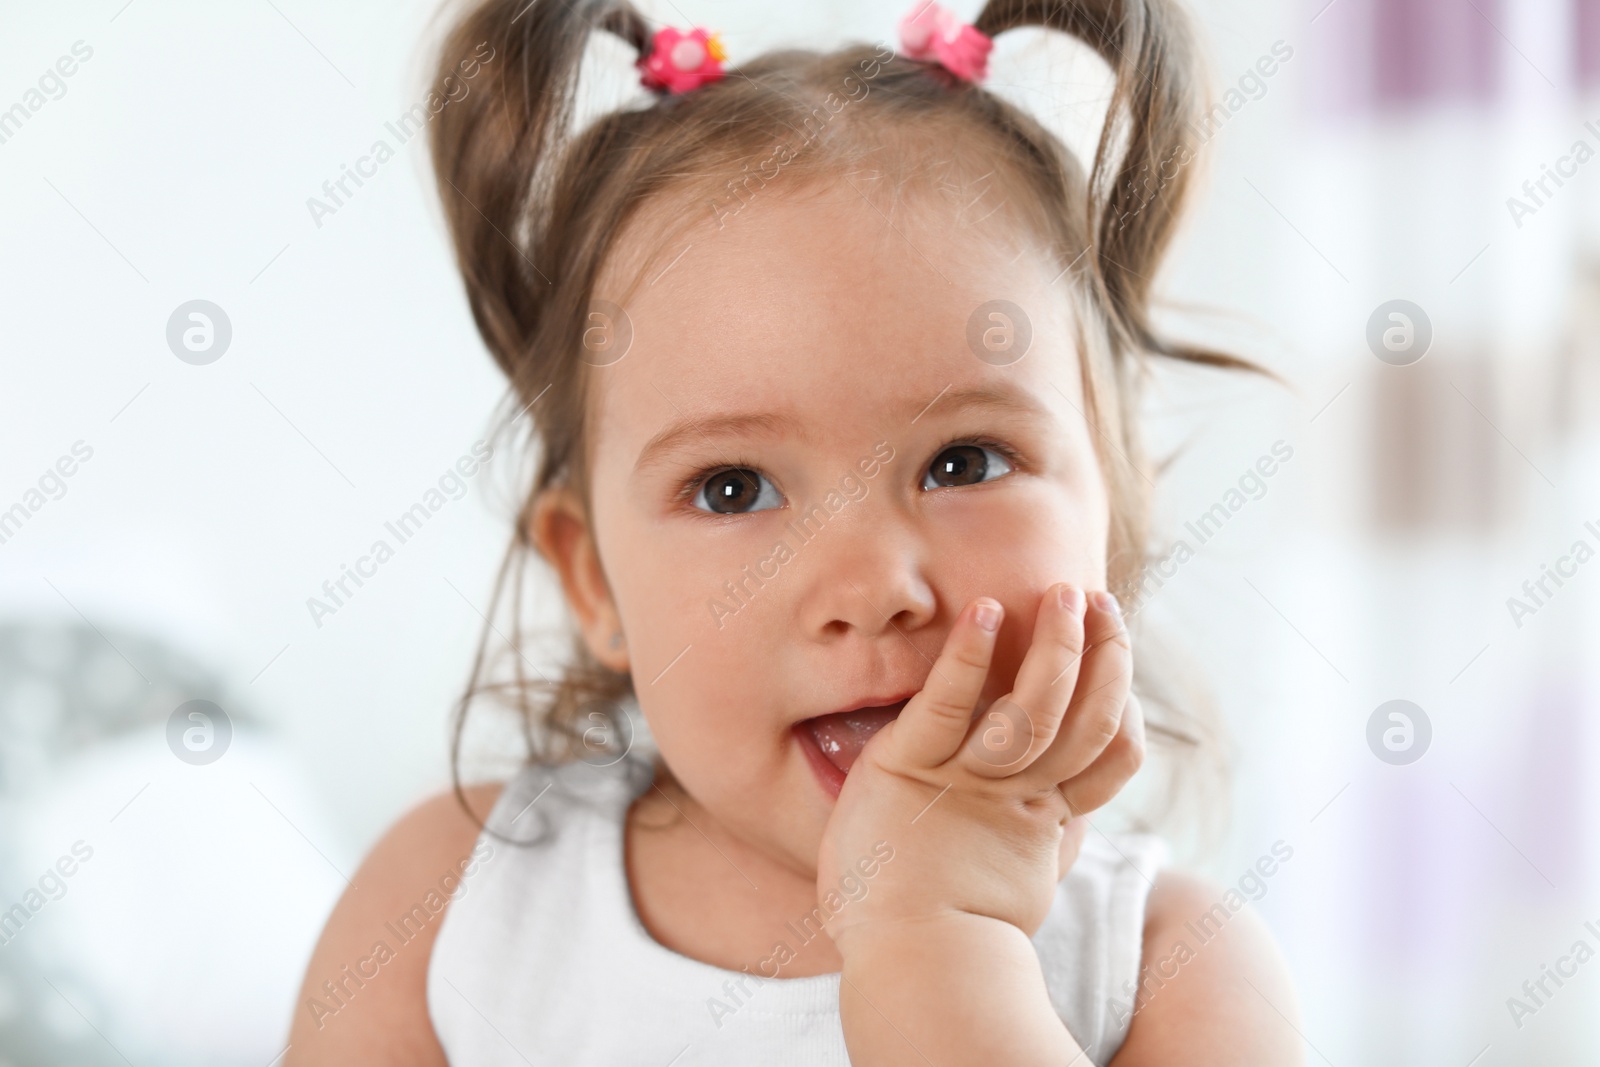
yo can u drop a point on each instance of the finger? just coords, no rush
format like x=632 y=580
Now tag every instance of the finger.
x=1095 y=712
x=933 y=723
x=1105 y=777
x=1043 y=687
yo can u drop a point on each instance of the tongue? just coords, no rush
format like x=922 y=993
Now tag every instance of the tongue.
x=843 y=735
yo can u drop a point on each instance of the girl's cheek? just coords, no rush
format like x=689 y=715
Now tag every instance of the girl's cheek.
x=1020 y=575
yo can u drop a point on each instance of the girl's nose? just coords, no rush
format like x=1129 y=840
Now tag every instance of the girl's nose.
x=869 y=574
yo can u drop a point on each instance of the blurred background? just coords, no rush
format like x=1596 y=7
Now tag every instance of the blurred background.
x=1400 y=214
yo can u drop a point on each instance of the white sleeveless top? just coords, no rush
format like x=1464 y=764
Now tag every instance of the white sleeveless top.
x=542 y=959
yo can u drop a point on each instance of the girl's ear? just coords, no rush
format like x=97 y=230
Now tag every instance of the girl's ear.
x=557 y=527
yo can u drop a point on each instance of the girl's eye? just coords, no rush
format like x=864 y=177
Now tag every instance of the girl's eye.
x=736 y=491
x=964 y=465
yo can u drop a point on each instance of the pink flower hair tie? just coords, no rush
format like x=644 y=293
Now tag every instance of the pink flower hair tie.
x=681 y=61
x=931 y=31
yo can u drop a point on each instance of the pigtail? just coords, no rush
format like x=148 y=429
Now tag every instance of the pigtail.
x=499 y=155
x=1139 y=181
x=496 y=153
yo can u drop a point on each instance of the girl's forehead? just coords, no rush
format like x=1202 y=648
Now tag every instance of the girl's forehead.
x=852 y=235
x=833 y=301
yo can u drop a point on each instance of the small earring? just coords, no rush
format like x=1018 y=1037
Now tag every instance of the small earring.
x=616 y=639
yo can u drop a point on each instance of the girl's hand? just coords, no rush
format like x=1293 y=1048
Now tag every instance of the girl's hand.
x=974 y=809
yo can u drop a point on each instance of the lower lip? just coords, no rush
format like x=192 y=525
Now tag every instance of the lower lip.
x=829 y=777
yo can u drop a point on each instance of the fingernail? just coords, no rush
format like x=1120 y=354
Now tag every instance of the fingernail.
x=988 y=615
x=1072 y=599
x=1107 y=603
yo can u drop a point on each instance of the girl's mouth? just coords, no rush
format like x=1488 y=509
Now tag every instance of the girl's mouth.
x=833 y=742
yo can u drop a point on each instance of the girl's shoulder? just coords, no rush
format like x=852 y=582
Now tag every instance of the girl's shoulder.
x=364 y=995
x=1210 y=972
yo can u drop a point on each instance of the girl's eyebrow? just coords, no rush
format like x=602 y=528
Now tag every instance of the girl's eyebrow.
x=1004 y=398
x=686 y=431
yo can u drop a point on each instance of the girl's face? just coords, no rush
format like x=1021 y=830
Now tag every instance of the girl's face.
x=891 y=476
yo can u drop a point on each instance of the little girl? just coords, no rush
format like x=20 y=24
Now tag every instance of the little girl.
x=832 y=360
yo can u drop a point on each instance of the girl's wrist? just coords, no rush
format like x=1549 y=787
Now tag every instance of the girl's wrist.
x=970 y=986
